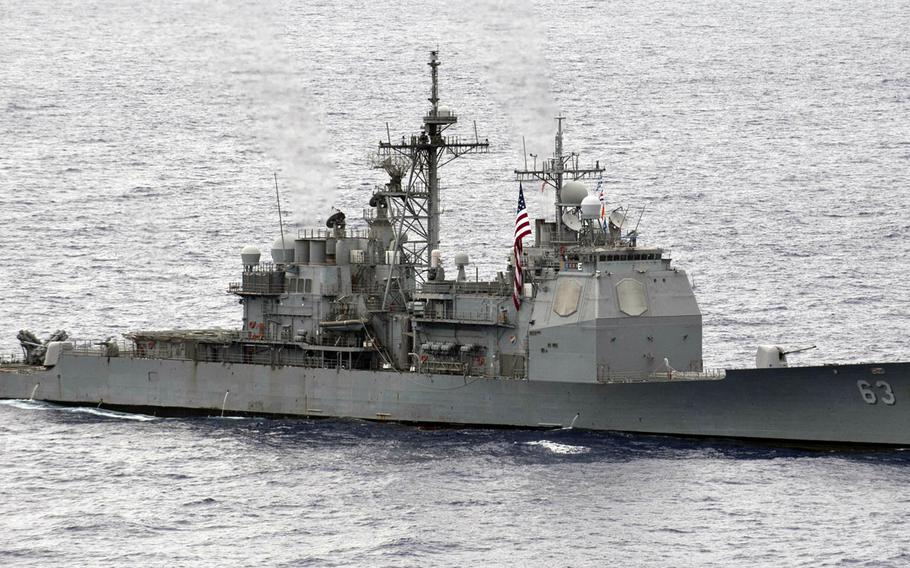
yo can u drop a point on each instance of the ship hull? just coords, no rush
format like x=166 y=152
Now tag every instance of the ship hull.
x=846 y=404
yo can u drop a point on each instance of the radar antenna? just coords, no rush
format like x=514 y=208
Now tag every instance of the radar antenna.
x=413 y=165
x=554 y=172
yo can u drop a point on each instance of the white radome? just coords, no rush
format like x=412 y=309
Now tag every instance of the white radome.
x=573 y=192
x=590 y=207
x=249 y=256
x=279 y=249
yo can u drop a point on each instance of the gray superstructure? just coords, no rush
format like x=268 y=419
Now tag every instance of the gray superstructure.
x=598 y=332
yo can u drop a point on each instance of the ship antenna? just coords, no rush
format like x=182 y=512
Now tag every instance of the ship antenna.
x=558 y=166
x=416 y=206
x=640 y=215
x=280 y=222
x=524 y=150
x=553 y=172
x=434 y=75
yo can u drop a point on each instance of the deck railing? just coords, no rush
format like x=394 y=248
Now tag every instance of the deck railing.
x=10 y=358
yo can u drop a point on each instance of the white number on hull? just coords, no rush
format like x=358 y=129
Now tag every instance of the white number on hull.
x=868 y=393
x=888 y=396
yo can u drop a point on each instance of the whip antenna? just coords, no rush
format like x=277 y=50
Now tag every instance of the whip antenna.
x=280 y=222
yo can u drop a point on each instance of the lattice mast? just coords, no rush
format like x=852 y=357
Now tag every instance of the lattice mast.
x=414 y=204
x=554 y=172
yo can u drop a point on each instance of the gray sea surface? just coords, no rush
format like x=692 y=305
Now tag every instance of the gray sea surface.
x=769 y=143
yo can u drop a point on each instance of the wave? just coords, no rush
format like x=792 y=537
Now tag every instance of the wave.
x=110 y=413
x=557 y=448
x=26 y=404
x=227 y=417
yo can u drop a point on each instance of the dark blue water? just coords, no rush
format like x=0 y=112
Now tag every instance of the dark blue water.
x=90 y=487
x=769 y=142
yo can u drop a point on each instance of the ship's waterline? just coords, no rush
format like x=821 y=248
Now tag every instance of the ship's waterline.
x=586 y=327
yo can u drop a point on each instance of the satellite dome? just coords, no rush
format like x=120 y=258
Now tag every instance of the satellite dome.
x=461 y=259
x=590 y=207
x=283 y=250
x=443 y=110
x=573 y=192
x=250 y=255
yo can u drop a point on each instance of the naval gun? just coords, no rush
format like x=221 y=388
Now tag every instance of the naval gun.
x=34 y=349
x=588 y=327
x=773 y=356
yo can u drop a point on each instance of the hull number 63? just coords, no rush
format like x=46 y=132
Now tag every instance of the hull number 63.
x=880 y=392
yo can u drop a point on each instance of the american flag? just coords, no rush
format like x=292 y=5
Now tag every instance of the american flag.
x=522 y=230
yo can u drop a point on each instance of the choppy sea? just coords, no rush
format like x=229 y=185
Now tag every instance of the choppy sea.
x=769 y=144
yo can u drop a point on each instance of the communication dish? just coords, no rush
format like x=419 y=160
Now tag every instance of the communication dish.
x=571 y=221
x=618 y=218
x=336 y=220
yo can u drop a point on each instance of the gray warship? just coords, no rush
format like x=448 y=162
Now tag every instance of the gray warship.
x=585 y=328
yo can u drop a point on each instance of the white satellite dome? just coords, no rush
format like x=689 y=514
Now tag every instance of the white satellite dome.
x=573 y=192
x=283 y=250
x=590 y=207
x=461 y=259
x=249 y=256
x=443 y=110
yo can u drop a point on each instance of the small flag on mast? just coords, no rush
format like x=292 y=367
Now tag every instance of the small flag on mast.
x=522 y=230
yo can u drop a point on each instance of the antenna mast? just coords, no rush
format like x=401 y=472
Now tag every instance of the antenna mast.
x=414 y=207
x=554 y=172
x=278 y=199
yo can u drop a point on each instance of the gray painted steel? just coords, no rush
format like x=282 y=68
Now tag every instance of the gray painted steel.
x=811 y=404
x=364 y=324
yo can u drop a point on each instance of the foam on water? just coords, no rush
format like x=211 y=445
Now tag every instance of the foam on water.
x=557 y=448
x=228 y=417
x=27 y=404
x=109 y=413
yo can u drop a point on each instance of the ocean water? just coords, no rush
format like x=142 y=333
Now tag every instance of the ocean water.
x=90 y=487
x=770 y=145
